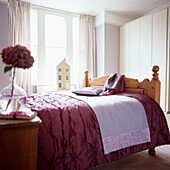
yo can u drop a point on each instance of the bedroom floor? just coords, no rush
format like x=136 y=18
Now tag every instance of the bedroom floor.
x=141 y=160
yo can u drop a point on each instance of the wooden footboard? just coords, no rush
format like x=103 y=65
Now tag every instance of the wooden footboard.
x=147 y=87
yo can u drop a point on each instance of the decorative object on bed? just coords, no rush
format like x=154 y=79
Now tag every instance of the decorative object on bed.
x=114 y=84
x=91 y=91
x=14 y=57
x=63 y=75
x=70 y=134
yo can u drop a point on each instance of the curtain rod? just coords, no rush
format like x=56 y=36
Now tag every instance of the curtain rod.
x=53 y=9
x=46 y=8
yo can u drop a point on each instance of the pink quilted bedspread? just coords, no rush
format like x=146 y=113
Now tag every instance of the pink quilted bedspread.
x=69 y=135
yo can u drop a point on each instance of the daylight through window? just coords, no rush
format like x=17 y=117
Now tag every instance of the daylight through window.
x=54 y=36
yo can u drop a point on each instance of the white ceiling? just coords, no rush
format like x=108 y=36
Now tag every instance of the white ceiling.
x=130 y=8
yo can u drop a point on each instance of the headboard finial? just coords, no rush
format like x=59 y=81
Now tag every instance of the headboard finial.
x=86 y=80
x=155 y=74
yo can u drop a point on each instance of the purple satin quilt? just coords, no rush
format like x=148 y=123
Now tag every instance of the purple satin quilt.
x=69 y=135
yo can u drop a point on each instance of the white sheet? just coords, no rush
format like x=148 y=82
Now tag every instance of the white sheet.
x=122 y=121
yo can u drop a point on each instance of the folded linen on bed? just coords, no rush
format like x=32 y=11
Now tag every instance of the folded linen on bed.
x=122 y=121
x=114 y=84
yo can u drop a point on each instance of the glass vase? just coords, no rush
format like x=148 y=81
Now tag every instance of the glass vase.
x=12 y=103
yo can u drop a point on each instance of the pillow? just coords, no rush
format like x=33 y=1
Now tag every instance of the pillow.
x=88 y=91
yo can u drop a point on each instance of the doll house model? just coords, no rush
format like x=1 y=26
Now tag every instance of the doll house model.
x=63 y=75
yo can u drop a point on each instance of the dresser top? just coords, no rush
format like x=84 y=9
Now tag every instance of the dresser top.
x=4 y=123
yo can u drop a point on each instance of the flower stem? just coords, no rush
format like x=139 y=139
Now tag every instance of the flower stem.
x=12 y=90
x=13 y=79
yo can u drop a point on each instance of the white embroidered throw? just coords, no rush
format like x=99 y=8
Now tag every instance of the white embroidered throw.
x=122 y=121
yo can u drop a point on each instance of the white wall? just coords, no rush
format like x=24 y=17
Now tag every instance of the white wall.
x=112 y=37
x=100 y=50
x=4 y=78
x=107 y=49
x=108 y=37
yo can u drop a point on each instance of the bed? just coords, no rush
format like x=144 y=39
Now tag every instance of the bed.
x=70 y=135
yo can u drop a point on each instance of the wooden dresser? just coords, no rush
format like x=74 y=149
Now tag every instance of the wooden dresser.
x=18 y=144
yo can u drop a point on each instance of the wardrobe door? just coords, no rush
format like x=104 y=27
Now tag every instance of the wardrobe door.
x=168 y=66
x=134 y=61
x=145 y=47
x=124 y=49
x=144 y=44
x=159 y=41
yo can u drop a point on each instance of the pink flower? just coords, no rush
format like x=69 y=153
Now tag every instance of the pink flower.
x=6 y=52
x=17 y=57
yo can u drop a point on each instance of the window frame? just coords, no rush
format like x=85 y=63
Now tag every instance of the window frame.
x=41 y=12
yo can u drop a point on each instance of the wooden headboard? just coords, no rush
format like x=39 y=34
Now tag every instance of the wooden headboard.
x=147 y=87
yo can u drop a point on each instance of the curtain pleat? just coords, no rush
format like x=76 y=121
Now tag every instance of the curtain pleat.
x=19 y=33
x=87 y=55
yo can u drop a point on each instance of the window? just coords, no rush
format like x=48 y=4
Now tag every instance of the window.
x=59 y=77
x=59 y=69
x=60 y=85
x=67 y=70
x=54 y=36
x=67 y=77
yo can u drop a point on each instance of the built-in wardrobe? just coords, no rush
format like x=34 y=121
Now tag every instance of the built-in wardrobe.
x=144 y=42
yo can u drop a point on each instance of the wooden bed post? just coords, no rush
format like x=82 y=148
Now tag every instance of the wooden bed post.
x=86 y=82
x=154 y=85
x=152 y=152
x=154 y=92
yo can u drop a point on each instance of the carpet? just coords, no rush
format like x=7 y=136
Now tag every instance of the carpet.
x=141 y=161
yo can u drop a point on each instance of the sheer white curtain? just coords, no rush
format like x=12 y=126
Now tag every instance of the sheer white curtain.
x=87 y=41
x=19 y=33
